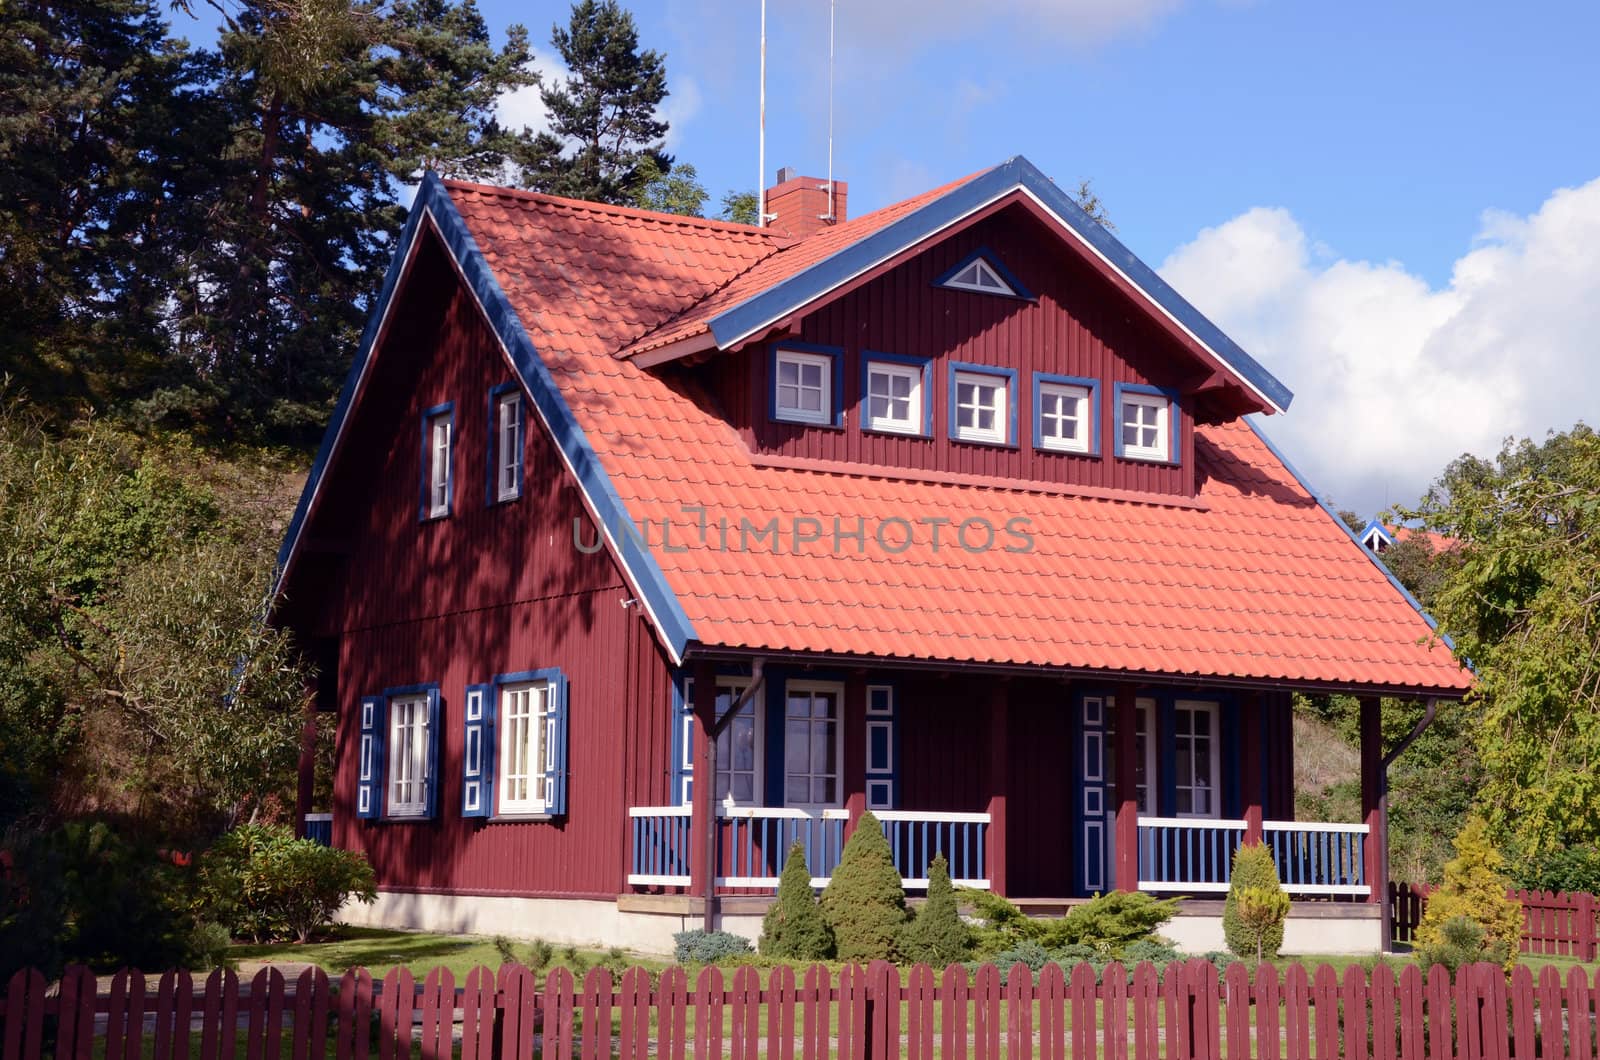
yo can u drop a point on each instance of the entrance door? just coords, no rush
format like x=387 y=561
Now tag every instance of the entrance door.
x=1095 y=823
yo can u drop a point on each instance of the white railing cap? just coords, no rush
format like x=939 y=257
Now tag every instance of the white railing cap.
x=660 y=811
x=932 y=816
x=1312 y=826
x=1197 y=824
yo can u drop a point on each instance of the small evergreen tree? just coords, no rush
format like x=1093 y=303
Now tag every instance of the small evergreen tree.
x=938 y=935
x=864 y=903
x=793 y=928
x=1259 y=911
x=1461 y=941
x=1252 y=870
x=1474 y=889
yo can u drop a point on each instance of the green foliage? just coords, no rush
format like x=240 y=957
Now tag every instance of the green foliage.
x=1256 y=907
x=1572 y=869
x=264 y=884
x=741 y=207
x=1090 y=202
x=864 y=903
x=81 y=894
x=708 y=947
x=1460 y=941
x=1474 y=889
x=793 y=928
x=937 y=935
x=1107 y=924
x=1524 y=606
x=679 y=191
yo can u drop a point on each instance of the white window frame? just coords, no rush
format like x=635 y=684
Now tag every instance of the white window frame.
x=801 y=359
x=509 y=445
x=913 y=422
x=1001 y=432
x=408 y=765
x=1214 y=788
x=537 y=747
x=734 y=687
x=980 y=268
x=1084 y=418
x=812 y=688
x=1162 y=449
x=440 y=446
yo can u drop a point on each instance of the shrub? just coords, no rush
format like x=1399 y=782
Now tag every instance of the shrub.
x=1574 y=869
x=1461 y=941
x=1474 y=889
x=708 y=947
x=1109 y=923
x=864 y=904
x=263 y=883
x=1254 y=871
x=1157 y=953
x=793 y=928
x=938 y=935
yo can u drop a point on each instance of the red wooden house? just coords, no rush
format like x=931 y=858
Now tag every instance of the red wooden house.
x=951 y=511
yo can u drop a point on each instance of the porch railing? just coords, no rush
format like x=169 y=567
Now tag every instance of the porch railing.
x=1195 y=855
x=754 y=841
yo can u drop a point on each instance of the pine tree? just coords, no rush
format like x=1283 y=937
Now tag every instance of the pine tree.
x=1253 y=871
x=793 y=928
x=1474 y=889
x=606 y=139
x=864 y=903
x=938 y=935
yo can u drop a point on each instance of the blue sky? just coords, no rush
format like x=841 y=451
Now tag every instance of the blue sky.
x=1394 y=205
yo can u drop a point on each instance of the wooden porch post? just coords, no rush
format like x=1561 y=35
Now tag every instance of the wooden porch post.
x=853 y=772
x=999 y=771
x=1251 y=762
x=703 y=822
x=1374 y=802
x=1127 y=793
x=306 y=782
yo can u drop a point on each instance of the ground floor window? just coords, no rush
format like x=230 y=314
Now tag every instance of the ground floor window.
x=738 y=747
x=408 y=755
x=1196 y=758
x=811 y=744
x=525 y=746
x=1144 y=721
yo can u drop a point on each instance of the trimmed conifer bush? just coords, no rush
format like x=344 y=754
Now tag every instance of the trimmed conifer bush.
x=1253 y=870
x=864 y=904
x=1474 y=889
x=938 y=935
x=793 y=928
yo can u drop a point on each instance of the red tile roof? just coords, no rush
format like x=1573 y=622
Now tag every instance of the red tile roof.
x=1252 y=580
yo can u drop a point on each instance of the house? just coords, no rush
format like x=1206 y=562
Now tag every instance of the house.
x=952 y=511
x=1379 y=537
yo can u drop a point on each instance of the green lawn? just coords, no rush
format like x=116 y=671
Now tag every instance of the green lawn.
x=379 y=950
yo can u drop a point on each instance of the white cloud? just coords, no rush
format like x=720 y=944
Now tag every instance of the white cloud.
x=1393 y=378
x=523 y=107
x=683 y=102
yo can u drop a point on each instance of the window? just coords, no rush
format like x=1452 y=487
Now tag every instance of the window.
x=527 y=746
x=892 y=395
x=980 y=405
x=1197 y=759
x=1144 y=423
x=409 y=758
x=982 y=273
x=811 y=748
x=505 y=450
x=437 y=445
x=1066 y=414
x=738 y=748
x=803 y=387
x=1144 y=745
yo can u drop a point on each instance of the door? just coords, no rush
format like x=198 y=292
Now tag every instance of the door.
x=1095 y=822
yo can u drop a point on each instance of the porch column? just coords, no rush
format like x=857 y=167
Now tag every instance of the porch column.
x=702 y=824
x=306 y=782
x=1374 y=801
x=999 y=771
x=1127 y=793
x=1250 y=764
x=853 y=770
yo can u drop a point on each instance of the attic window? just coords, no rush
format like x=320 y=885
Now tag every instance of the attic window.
x=805 y=385
x=978 y=275
x=1145 y=423
x=981 y=404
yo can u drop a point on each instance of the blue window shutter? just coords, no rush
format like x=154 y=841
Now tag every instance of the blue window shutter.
x=435 y=738
x=684 y=725
x=555 y=773
x=883 y=749
x=369 y=779
x=477 y=752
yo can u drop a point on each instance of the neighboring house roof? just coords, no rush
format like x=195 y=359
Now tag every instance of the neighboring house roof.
x=1253 y=580
x=1377 y=532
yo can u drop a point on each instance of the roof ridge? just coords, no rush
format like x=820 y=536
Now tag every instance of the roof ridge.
x=589 y=206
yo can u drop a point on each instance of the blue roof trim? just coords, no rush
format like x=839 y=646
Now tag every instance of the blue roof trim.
x=1019 y=290
x=784 y=298
x=1351 y=534
x=432 y=198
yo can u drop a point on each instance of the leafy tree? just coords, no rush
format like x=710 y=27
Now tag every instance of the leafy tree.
x=678 y=192
x=741 y=207
x=793 y=928
x=606 y=138
x=1474 y=889
x=937 y=935
x=1524 y=607
x=864 y=903
x=1252 y=915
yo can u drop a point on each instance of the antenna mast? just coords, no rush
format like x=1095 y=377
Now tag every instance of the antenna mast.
x=761 y=150
x=832 y=6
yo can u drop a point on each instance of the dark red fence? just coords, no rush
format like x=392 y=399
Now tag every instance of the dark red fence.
x=1554 y=923
x=1183 y=1011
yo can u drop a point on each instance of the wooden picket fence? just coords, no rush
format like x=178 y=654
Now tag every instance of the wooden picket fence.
x=1554 y=923
x=1185 y=1011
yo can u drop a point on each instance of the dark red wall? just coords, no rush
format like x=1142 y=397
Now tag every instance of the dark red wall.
x=1079 y=326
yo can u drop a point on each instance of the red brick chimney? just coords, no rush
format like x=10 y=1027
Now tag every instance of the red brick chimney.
x=798 y=206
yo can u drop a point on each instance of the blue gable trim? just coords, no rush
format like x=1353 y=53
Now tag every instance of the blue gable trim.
x=433 y=200
x=1019 y=290
x=1374 y=525
x=782 y=299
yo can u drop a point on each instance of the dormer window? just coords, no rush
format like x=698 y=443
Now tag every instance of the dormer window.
x=982 y=273
x=804 y=385
x=1067 y=411
x=894 y=394
x=1145 y=418
x=981 y=404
